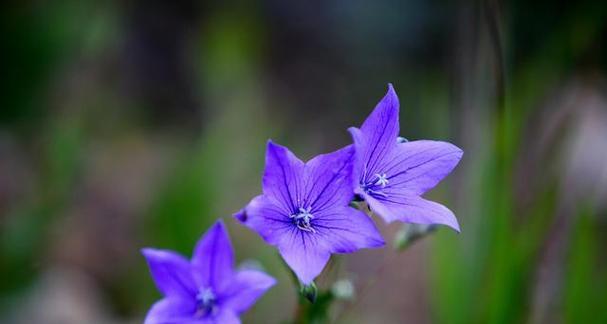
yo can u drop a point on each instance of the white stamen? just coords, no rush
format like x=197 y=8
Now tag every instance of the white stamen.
x=302 y=219
x=382 y=180
x=206 y=302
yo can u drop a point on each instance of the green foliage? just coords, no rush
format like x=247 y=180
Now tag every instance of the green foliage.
x=25 y=236
x=586 y=278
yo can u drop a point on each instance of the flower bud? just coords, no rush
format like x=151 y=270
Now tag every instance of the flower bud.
x=310 y=292
x=410 y=233
x=343 y=289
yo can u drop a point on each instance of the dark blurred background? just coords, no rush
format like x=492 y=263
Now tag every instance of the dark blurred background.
x=137 y=123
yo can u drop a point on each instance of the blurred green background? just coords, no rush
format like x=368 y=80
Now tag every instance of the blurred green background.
x=126 y=124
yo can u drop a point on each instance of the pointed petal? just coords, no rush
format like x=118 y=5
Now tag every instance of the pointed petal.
x=380 y=131
x=245 y=288
x=241 y=215
x=225 y=316
x=171 y=272
x=412 y=209
x=304 y=254
x=213 y=259
x=419 y=166
x=345 y=230
x=385 y=115
x=359 y=150
x=267 y=219
x=171 y=310
x=328 y=179
x=282 y=178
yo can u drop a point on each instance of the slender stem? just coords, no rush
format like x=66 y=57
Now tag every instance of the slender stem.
x=300 y=311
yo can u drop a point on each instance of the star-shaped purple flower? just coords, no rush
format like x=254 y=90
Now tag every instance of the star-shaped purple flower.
x=393 y=175
x=304 y=210
x=207 y=289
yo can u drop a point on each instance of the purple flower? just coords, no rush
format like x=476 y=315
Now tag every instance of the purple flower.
x=394 y=174
x=207 y=289
x=304 y=210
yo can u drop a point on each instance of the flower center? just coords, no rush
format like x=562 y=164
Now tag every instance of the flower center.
x=205 y=302
x=303 y=219
x=382 y=180
x=375 y=185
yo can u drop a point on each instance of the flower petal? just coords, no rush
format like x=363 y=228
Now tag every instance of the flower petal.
x=304 y=254
x=266 y=218
x=282 y=178
x=171 y=311
x=213 y=259
x=241 y=215
x=412 y=209
x=225 y=316
x=245 y=288
x=418 y=166
x=328 y=180
x=345 y=230
x=359 y=147
x=380 y=131
x=171 y=273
